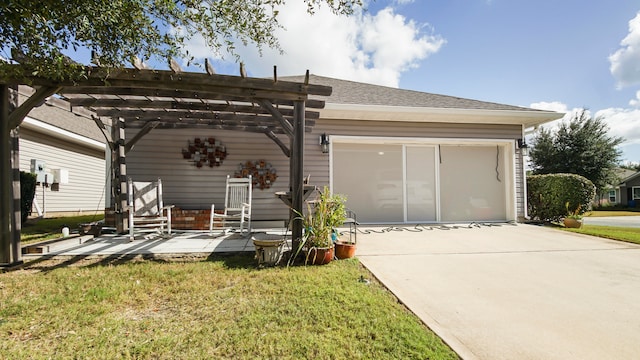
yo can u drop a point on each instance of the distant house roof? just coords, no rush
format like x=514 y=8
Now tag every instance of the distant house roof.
x=354 y=95
x=630 y=175
x=58 y=113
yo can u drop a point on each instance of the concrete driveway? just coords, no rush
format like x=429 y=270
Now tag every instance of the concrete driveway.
x=515 y=292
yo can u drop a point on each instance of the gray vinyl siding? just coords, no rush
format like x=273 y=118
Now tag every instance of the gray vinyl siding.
x=85 y=191
x=159 y=154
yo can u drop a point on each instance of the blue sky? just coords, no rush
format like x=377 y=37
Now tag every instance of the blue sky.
x=557 y=55
x=547 y=54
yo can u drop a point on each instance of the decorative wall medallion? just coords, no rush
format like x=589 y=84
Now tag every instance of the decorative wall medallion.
x=205 y=152
x=262 y=173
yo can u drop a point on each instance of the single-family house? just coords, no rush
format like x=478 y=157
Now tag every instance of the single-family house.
x=628 y=190
x=399 y=156
x=67 y=150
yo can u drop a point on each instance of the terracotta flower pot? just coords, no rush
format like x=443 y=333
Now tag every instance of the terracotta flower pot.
x=319 y=256
x=572 y=223
x=345 y=250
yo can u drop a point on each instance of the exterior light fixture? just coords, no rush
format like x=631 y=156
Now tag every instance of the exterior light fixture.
x=524 y=148
x=324 y=143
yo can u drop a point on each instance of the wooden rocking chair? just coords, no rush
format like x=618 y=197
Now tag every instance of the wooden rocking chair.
x=147 y=212
x=237 y=205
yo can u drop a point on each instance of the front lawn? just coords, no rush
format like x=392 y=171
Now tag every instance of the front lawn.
x=223 y=308
x=610 y=232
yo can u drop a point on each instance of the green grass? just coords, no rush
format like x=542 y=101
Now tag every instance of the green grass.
x=221 y=308
x=610 y=232
x=601 y=213
x=50 y=228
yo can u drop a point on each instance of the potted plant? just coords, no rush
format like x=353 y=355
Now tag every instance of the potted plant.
x=346 y=246
x=573 y=219
x=323 y=216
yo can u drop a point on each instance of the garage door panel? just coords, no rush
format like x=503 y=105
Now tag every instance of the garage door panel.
x=472 y=183
x=371 y=177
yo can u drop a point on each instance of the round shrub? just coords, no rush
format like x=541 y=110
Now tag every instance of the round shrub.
x=551 y=197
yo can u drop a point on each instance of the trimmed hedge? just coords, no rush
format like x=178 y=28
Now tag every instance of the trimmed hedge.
x=548 y=195
x=27 y=192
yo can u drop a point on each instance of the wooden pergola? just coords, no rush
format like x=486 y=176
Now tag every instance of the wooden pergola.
x=147 y=99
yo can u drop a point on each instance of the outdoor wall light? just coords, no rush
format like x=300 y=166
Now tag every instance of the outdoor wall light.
x=324 y=142
x=524 y=148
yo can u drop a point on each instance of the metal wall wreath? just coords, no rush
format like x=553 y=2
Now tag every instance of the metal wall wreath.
x=262 y=173
x=207 y=151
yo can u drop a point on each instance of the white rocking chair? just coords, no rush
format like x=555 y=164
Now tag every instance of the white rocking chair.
x=237 y=205
x=147 y=212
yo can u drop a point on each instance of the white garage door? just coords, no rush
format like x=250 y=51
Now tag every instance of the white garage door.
x=422 y=183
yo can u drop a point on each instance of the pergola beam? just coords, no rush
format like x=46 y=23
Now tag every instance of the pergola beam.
x=139 y=135
x=152 y=79
x=115 y=107
x=285 y=123
x=279 y=142
x=36 y=99
x=79 y=96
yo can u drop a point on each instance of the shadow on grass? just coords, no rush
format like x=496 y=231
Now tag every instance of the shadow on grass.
x=49 y=263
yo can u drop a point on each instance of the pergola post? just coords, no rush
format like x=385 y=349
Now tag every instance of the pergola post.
x=16 y=219
x=10 y=221
x=297 y=171
x=119 y=175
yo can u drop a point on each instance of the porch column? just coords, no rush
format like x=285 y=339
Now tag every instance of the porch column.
x=10 y=221
x=297 y=170
x=119 y=175
x=6 y=181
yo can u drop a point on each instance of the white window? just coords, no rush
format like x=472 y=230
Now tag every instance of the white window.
x=636 y=192
x=612 y=196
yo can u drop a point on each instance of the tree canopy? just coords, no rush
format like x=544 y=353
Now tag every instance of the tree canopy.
x=581 y=146
x=37 y=33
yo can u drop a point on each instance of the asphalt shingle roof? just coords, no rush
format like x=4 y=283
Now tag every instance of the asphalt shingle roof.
x=351 y=92
x=57 y=112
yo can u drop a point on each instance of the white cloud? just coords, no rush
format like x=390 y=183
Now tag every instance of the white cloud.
x=374 y=48
x=623 y=123
x=557 y=107
x=625 y=63
x=550 y=106
x=635 y=102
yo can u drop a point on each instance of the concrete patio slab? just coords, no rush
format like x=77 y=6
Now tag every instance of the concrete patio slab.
x=515 y=292
x=176 y=244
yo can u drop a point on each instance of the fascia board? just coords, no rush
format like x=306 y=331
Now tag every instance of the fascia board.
x=49 y=129
x=445 y=115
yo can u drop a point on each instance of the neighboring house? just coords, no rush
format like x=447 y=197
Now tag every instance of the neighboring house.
x=628 y=190
x=399 y=156
x=72 y=148
x=612 y=194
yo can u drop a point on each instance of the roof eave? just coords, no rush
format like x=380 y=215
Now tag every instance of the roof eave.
x=526 y=118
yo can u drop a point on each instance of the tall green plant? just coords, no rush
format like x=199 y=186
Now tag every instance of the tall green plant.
x=323 y=215
x=27 y=193
x=38 y=33
x=581 y=146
